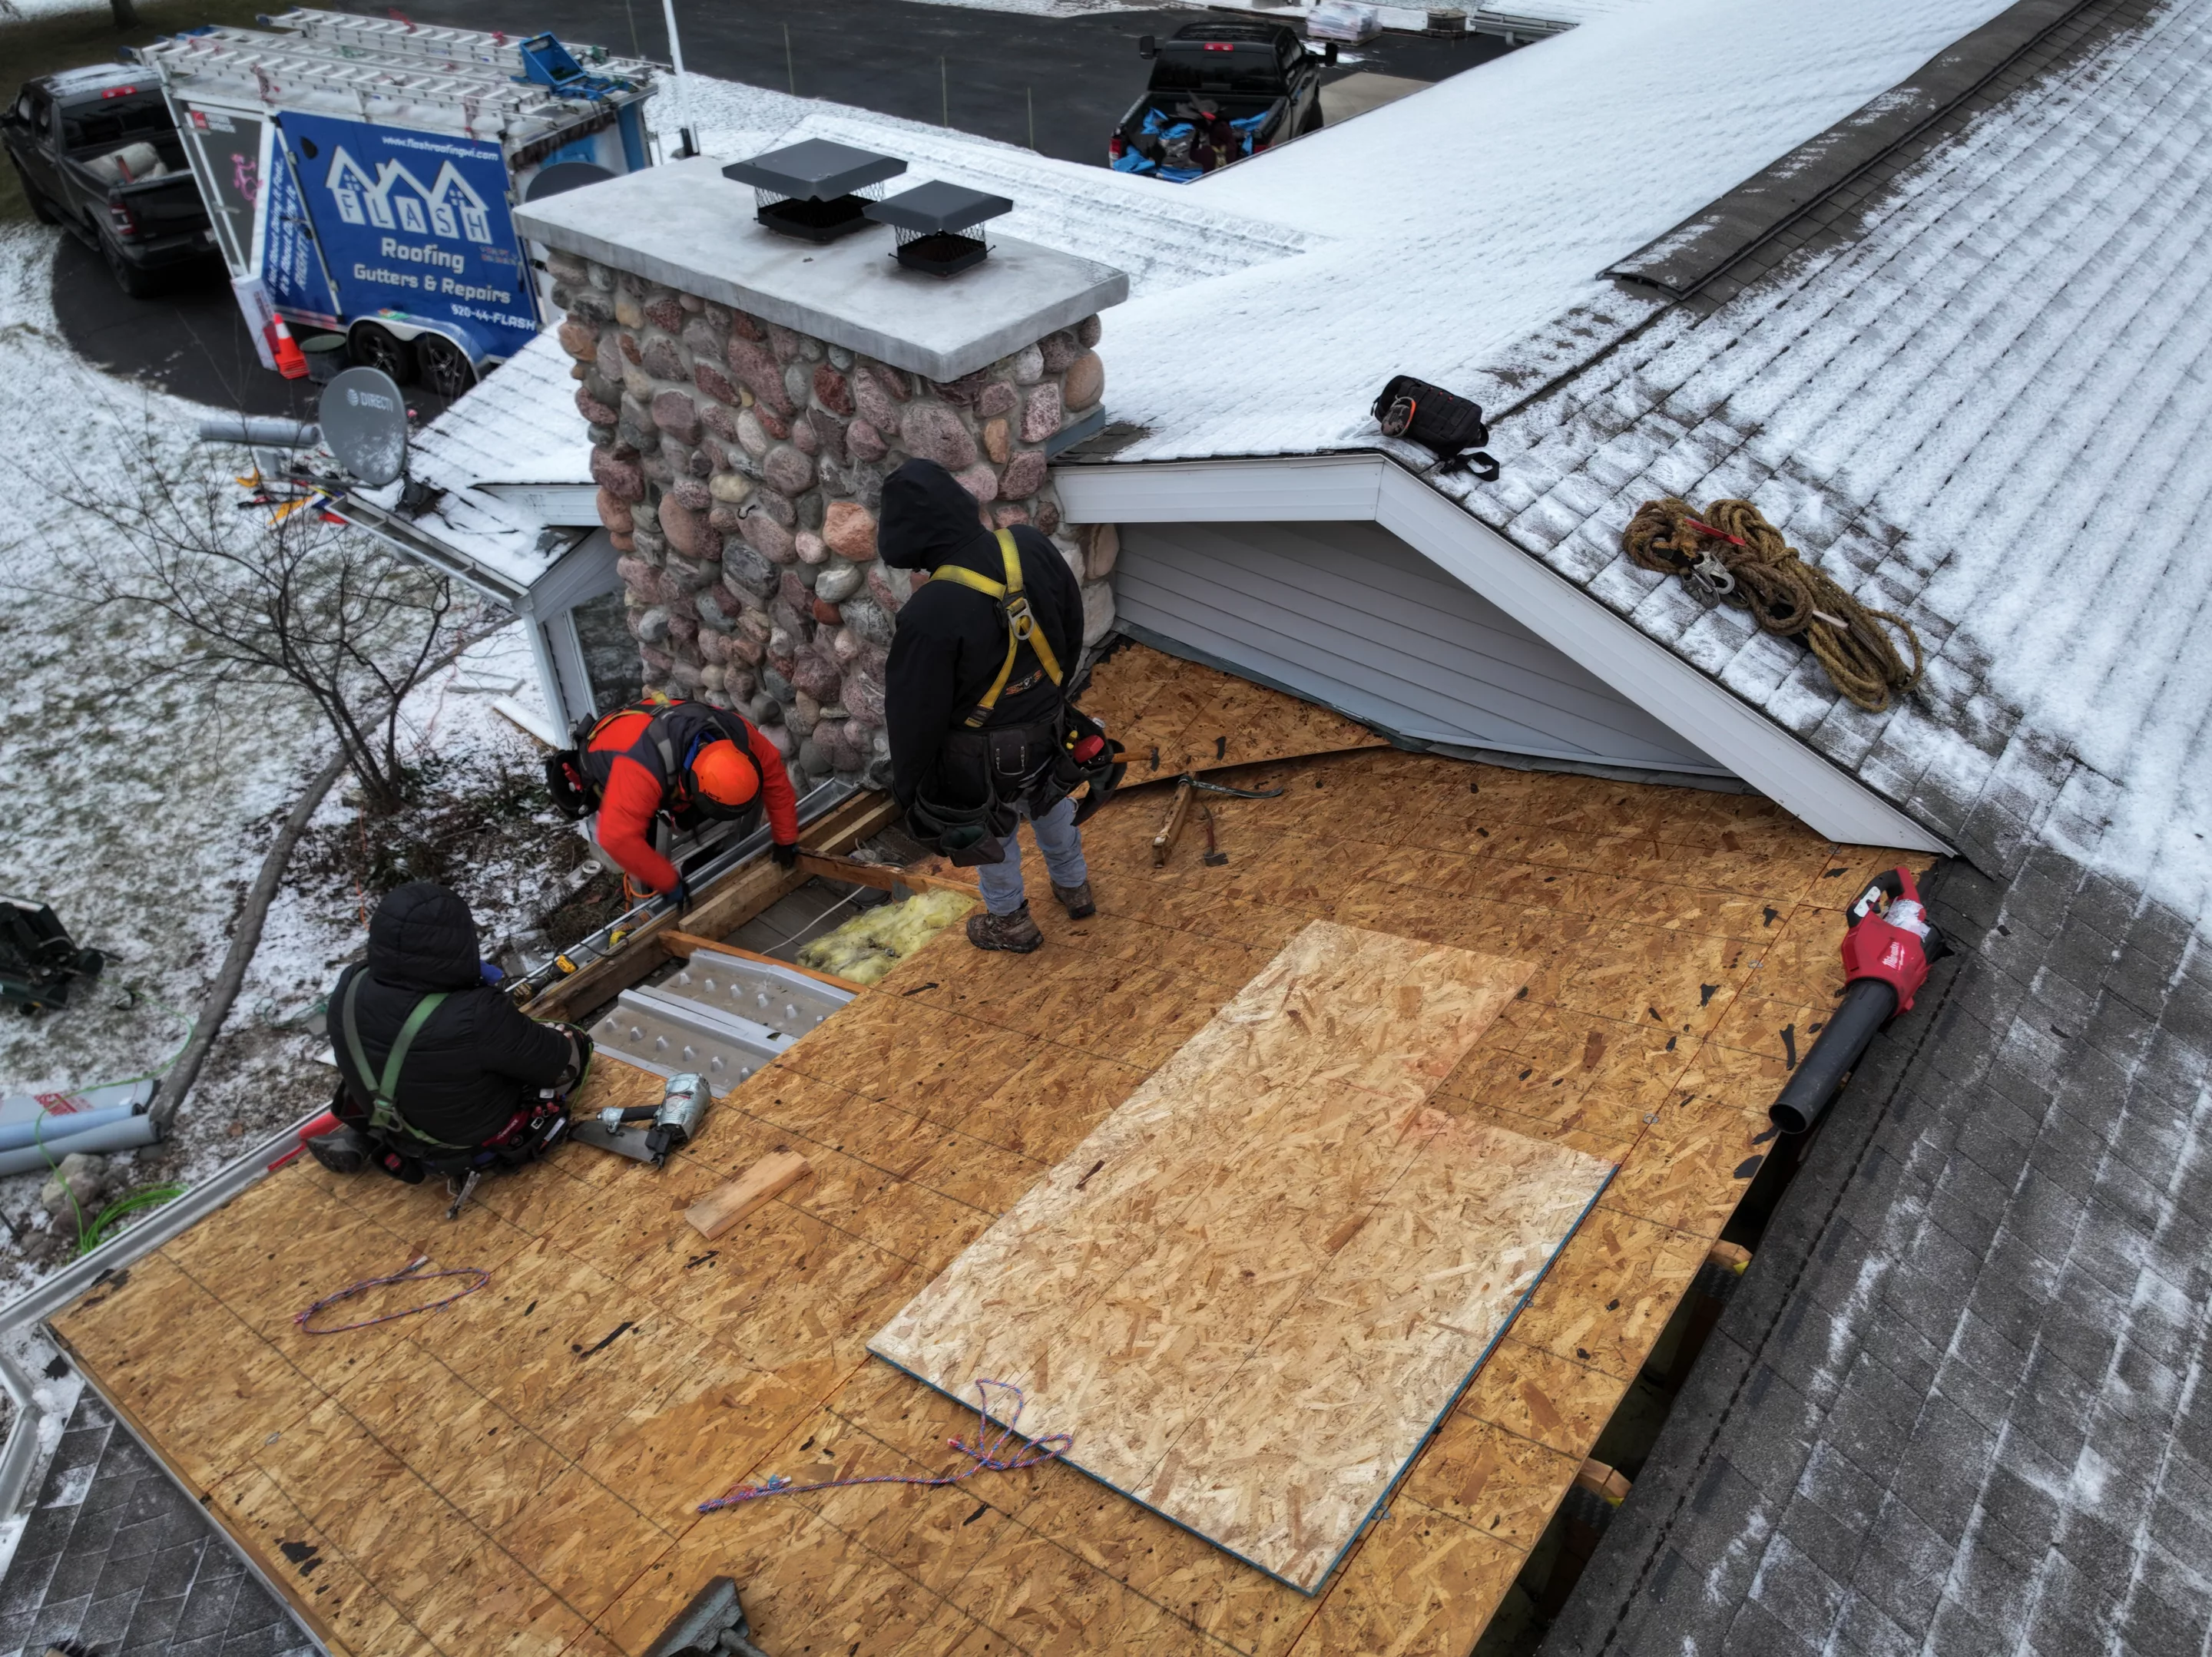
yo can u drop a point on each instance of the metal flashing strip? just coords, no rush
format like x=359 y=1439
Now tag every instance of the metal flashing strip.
x=25 y=1316
x=1762 y=207
x=1317 y=488
x=672 y=1036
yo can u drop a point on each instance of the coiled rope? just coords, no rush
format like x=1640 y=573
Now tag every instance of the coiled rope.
x=1731 y=554
x=989 y=1457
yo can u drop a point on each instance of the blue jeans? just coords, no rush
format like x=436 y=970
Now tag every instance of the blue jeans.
x=1057 y=837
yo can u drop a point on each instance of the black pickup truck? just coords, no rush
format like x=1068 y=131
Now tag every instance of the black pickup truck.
x=97 y=152
x=1219 y=92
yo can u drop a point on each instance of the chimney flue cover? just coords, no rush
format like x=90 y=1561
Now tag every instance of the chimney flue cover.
x=940 y=226
x=816 y=190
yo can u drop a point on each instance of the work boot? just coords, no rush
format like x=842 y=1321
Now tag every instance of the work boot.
x=1016 y=932
x=345 y=1150
x=1076 y=901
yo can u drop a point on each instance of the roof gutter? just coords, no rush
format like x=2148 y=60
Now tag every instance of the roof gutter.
x=401 y=535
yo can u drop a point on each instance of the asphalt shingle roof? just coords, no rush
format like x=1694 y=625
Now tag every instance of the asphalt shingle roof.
x=1972 y=388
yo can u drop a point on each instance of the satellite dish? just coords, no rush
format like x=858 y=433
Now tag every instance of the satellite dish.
x=364 y=419
x=564 y=176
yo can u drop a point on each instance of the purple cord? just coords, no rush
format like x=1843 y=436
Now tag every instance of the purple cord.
x=406 y=1273
x=991 y=1458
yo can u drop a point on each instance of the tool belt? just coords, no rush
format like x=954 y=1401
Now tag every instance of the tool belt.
x=405 y=1152
x=998 y=770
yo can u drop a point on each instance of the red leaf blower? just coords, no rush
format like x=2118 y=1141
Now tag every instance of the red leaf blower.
x=1888 y=945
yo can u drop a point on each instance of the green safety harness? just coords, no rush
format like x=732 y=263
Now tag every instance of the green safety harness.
x=383 y=1112
x=1022 y=627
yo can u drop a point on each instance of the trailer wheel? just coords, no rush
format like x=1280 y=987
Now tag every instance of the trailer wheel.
x=377 y=347
x=446 y=369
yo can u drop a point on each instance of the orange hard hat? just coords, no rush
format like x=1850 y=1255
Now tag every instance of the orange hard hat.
x=721 y=775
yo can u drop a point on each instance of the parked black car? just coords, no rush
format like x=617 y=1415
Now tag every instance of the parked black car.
x=97 y=152
x=1219 y=92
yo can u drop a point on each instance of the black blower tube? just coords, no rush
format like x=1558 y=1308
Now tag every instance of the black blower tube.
x=1867 y=1006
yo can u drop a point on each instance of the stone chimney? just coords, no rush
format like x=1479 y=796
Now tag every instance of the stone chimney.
x=748 y=394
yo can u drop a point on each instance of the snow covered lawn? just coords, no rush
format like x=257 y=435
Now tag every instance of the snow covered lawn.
x=139 y=807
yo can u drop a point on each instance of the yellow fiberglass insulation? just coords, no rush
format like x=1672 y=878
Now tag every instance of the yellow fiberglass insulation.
x=869 y=945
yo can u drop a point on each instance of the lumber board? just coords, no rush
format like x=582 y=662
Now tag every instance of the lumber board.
x=1252 y=1289
x=933 y=1103
x=683 y=945
x=724 y=1206
x=731 y=902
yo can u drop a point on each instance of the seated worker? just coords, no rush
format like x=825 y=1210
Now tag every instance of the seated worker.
x=686 y=762
x=438 y=1067
x=975 y=713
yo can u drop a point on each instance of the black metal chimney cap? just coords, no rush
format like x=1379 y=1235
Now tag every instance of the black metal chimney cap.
x=815 y=170
x=934 y=207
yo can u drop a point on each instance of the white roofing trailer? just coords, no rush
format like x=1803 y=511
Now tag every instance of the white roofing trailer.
x=360 y=173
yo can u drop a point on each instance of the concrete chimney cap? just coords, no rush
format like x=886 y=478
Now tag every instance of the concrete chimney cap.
x=814 y=170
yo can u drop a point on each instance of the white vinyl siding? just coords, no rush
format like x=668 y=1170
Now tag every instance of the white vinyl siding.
x=1348 y=615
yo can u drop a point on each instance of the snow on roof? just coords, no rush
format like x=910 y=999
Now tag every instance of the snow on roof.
x=1464 y=217
x=1985 y=408
x=518 y=425
x=1164 y=239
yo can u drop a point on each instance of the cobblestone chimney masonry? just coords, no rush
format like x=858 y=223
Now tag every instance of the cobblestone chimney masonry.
x=749 y=394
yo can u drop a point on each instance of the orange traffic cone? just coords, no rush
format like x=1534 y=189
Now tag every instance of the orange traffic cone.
x=291 y=361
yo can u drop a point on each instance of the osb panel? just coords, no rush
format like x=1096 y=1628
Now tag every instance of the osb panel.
x=741 y=1350
x=1249 y=1292
x=1173 y=716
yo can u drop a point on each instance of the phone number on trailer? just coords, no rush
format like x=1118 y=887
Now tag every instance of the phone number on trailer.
x=471 y=313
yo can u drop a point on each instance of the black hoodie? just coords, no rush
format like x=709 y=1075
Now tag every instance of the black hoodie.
x=951 y=641
x=479 y=1058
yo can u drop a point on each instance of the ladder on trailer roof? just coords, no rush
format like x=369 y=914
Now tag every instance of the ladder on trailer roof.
x=391 y=36
x=364 y=81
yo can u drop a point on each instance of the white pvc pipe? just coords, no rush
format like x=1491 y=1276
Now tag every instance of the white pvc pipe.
x=133 y=1134
x=52 y=1125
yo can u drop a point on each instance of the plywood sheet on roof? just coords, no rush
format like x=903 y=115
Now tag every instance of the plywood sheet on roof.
x=1175 y=716
x=1251 y=1291
x=618 y=1358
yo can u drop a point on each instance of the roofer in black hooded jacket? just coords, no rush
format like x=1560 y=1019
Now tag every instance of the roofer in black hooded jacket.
x=466 y=1091
x=974 y=739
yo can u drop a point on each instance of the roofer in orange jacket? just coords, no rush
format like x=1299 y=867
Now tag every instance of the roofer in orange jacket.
x=689 y=762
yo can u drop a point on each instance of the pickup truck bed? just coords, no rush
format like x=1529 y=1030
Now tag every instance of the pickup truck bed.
x=1220 y=92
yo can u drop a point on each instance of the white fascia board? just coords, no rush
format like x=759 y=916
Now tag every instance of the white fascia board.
x=1371 y=487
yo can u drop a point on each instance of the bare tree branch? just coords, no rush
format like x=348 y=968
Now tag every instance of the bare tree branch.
x=267 y=598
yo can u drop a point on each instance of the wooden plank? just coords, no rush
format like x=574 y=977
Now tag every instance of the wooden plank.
x=1251 y=1290
x=686 y=944
x=878 y=876
x=724 y=1206
x=734 y=900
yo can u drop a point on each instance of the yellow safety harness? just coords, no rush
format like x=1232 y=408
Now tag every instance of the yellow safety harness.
x=1022 y=627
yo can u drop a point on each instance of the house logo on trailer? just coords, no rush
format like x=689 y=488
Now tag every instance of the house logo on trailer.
x=447 y=207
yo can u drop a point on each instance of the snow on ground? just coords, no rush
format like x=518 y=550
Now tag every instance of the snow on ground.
x=139 y=807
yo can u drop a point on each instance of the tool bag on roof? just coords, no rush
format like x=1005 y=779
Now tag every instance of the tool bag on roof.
x=1033 y=763
x=1440 y=422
